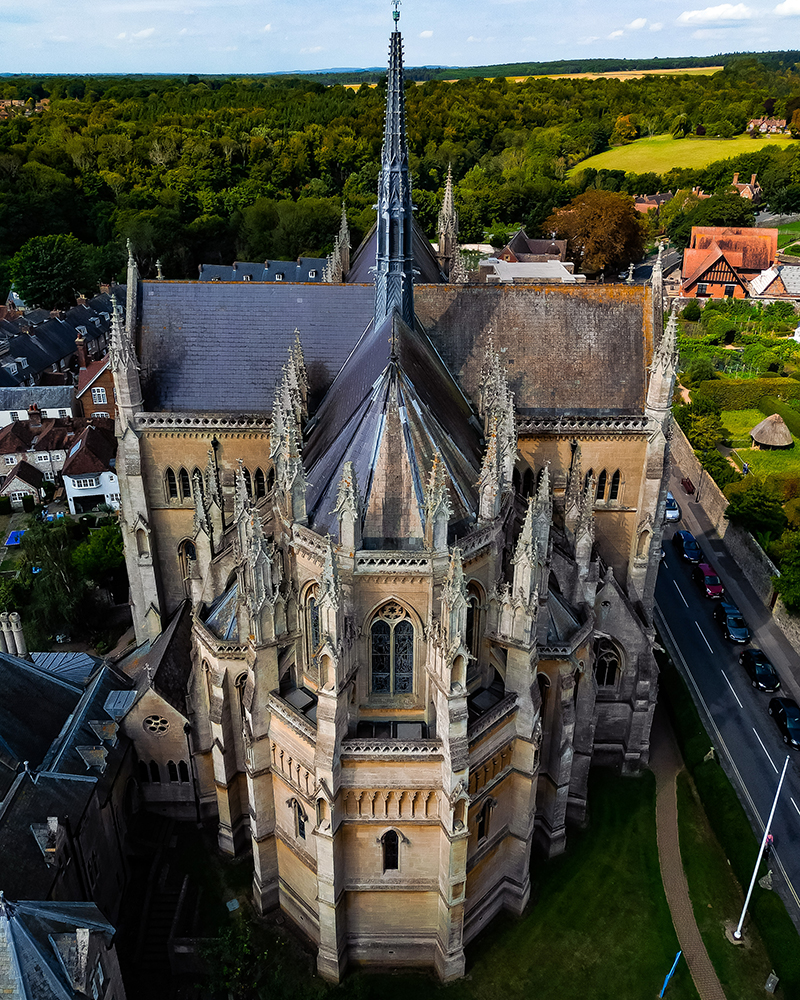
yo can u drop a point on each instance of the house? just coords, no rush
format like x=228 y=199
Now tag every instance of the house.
x=94 y=393
x=780 y=280
x=23 y=480
x=750 y=190
x=645 y=203
x=304 y=269
x=46 y=443
x=57 y=950
x=522 y=249
x=50 y=401
x=549 y=272
x=721 y=262
x=767 y=126
x=88 y=473
x=413 y=547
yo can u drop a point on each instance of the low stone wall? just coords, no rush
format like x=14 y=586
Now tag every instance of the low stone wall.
x=788 y=624
x=742 y=547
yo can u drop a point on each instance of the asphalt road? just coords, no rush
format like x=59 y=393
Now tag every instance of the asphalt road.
x=735 y=713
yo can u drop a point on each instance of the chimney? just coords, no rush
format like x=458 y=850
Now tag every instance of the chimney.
x=80 y=347
x=81 y=300
x=34 y=416
x=735 y=178
x=753 y=181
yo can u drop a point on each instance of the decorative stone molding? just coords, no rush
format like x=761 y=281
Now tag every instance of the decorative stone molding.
x=488 y=719
x=299 y=723
x=202 y=421
x=586 y=426
x=392 y=749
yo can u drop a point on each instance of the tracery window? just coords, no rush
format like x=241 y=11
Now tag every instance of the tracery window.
x=392 y=648
x=473 y=636
x=186 y=486
x=261 y=484
x=606 y=663
x=601 y=485
x=313 y=634
x=172 y=485
x=613 y=493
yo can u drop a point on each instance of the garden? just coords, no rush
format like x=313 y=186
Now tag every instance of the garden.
x=740 y=364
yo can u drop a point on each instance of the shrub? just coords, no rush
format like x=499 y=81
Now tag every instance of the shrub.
x=701 y=369
x=745 y=394
x=755 y=507
x=692 y=311
x=720 y=329
x=5 y=505
x=719 y=468
x=28 y=503
x=769 y=405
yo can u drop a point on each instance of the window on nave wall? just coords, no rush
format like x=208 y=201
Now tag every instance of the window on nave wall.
x=178 y=485
x=392 y=650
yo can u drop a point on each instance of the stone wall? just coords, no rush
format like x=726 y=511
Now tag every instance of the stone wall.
x=742 y=547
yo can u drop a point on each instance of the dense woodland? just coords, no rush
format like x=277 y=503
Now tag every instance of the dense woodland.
x=218 y=169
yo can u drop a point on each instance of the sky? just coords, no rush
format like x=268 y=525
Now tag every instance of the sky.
x=264 y=36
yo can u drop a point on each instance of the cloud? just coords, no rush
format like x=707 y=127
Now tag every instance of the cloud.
x=311 y=50
x=722 y=12
x=616 y=34
x=656 y=25
x=267 y=27
x=588 y=39
x=426 y=34
x=637 y=25
x=789 y=8
x=472 y=38
x=121 y=35
x=144 y=33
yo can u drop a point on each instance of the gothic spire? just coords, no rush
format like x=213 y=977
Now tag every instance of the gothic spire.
x=665 y=355
x=394 y=266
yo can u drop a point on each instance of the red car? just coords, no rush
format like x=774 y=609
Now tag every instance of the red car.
x=706 y=577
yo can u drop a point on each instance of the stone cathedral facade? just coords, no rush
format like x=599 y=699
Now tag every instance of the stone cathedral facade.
x=392 y=550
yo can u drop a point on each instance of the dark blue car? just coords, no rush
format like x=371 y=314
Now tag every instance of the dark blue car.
x=686 y=544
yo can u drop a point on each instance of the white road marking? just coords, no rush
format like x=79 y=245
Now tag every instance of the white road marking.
x=704 y=638
x=675 y=585
x=666 y=632
x=797 y=808
x=766 y=752
x=735 y=695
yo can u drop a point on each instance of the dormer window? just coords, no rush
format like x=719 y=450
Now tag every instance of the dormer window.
x=312 y=274
x=247 y=277
x=279 y=276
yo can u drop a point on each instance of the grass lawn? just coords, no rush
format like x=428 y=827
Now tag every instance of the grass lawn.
x=661 y=153
x=739 y=423
x=787 y=235
x=717 y=898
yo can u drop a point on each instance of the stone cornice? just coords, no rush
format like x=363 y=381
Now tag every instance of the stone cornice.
x=201 y=422
x=565 y=426
x=488 y=719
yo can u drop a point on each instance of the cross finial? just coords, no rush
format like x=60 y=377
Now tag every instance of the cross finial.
x=396 y=12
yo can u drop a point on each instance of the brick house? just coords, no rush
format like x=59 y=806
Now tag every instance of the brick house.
x=94 y=393
x=721 y=262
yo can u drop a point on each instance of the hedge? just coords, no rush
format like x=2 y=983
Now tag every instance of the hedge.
x=731 y=826
x=5 y=505
x=28 y=503
x=745 y=393
x=769 y=405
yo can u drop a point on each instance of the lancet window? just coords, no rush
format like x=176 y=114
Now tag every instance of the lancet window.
x=391 y=851
x=392 y=651
x=606 y=663
x=613 y=493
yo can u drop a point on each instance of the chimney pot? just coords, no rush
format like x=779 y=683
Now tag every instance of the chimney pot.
x=735 y=178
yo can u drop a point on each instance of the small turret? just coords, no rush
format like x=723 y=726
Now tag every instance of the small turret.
x=349 y=509
x=448 y=228
x=438 y=508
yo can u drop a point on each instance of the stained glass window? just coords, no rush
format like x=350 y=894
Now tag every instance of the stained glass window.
x=404 y=657
x=381 y=657
x=392 y=637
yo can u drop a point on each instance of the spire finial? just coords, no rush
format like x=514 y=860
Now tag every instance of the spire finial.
x=396 y=13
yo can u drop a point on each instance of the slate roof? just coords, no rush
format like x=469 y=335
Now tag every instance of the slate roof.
x=392 y=366
x=221 y=347
x=38 y=941
x=523 y=247
x=169 y=660
x=88 y=375
x=790 y=276
x=74 y=667
x=55 y=433
x=291 y=270
x=221 y=617
x=362 y=263
x=34 y=706
x=51 y=397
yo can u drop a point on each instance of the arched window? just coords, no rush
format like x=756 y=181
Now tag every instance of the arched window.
x=606 y=663
x=172 y=770
x=527 y=483
x=239 y=684
x=187 y=554
x=313 y=635
x=183 y=770
x=516 y=481
x=643 y=544
x=186 y=486
x=601 y=486
x=588 y=478
x=142 y=543
x=391 y=851
x=144 y=774
x=261 y=484
x=248 y=482
x=155 y=774
x=392 y=642
x=473 y=636
x=483 y=822
x=300 y=819
x=613 y=493
x=270 y=479
x=172 y=485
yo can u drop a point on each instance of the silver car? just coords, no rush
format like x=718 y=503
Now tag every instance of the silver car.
x=673 y=511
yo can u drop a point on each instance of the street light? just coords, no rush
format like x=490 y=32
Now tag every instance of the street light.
x=737 y=934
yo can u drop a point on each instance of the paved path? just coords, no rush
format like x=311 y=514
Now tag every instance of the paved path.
x=666 y=763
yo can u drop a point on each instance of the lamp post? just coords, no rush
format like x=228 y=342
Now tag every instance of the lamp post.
x=737 y=934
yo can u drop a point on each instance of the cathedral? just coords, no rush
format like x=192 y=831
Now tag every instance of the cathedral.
x=392 y=541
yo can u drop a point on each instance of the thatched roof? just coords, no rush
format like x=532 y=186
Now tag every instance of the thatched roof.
x=772 y=432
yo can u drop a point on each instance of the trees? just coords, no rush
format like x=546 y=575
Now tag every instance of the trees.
x=718 y=210
x=788 y=583
x=756 y=508
x=50 y=270
x=603 y=230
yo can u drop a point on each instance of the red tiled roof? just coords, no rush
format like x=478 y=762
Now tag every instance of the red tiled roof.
x=92 y=451
x=88 y=375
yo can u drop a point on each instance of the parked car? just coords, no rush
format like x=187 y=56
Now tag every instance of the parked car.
x=786 y=713
x=730 y=620
x=673 y=511
x=686 y=544
x=760 y=671
x=704 y=575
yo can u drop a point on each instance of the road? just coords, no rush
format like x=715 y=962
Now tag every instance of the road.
x=733 y=711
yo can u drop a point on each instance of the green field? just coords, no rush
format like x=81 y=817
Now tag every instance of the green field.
x=789 y=235
x=661 y=153
x=739 y=423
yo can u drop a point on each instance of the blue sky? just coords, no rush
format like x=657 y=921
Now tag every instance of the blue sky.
x=262 y=36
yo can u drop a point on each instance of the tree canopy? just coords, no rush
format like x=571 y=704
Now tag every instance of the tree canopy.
x=603 y=230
